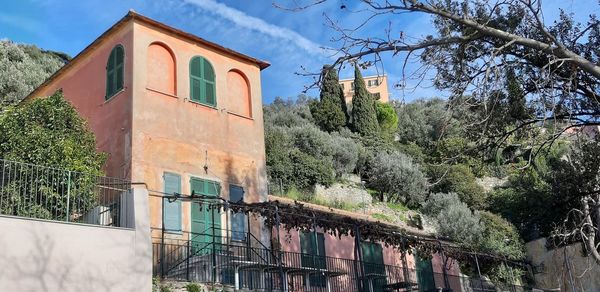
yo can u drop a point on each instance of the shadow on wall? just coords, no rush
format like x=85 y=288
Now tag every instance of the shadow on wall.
x=38 y=255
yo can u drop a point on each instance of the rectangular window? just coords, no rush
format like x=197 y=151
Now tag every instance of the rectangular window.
x=312 y=245
x=342 y=84
x=352 y=86
x=376 y=82
x=369 y=83
x=172 y=210
x=377 y=96
x=238 y=220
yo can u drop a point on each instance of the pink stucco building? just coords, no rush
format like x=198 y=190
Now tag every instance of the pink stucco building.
x=182 y=115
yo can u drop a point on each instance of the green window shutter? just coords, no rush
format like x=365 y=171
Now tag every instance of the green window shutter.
x=202 y=81
x=172 y=210
x=110 y=74
x=195 y=78
x=119 y=68
x=114 y=71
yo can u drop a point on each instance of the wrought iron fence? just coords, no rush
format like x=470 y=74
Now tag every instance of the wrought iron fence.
x=257 y=268
x=42 y=192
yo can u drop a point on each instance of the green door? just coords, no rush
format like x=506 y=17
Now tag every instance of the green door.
x=425 y=274
x=374 y=266
x=312 y=245
x=203 y=225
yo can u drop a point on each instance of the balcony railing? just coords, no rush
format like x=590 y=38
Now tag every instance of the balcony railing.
x=252 y=266
x=41 y=192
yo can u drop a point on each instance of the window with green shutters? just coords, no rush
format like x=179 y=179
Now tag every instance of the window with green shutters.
x=425 y=277
x=372 y=256
x=205 y=221
x=312 y=245
x=114 y=71
x=172 y=210
x=202 y=81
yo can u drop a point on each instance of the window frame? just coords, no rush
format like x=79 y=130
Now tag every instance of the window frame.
x=203 y=82
x=108 y=95
x=233 y=216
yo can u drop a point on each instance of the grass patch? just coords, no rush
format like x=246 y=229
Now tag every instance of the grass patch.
x=382 y=217
x=398 y=207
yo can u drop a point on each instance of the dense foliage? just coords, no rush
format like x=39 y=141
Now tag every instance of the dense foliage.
x=48 y=131
x=330 y=112
x=397 y=178
x=23 y=68
x=364 y=112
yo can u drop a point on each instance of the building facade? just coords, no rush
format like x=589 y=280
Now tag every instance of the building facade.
x=173 y=111
x=376 y=85
x=183 y=116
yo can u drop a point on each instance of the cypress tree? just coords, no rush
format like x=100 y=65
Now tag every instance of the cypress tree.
x=330 y=112
x=364 y=113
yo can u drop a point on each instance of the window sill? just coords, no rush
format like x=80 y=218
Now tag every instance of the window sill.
x=203 y=104
x=241 y=116
x=107 y=100
x=174 y=232
x=161 y=92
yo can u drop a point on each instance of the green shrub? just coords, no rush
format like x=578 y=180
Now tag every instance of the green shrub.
x=308 y=170
x=500 y=237
x=396 y=177
x=459 y=179
x=459 y=223
x=24 y=68
x=387 y=119
x=193 y=287
x=437 y=202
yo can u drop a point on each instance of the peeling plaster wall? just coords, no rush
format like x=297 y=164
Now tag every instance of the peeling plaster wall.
x=553 y=266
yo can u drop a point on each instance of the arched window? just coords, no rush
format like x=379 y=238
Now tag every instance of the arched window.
x=202 y=81
x=114 y=71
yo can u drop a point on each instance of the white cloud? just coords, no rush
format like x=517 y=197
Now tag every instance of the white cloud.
x=253 y=23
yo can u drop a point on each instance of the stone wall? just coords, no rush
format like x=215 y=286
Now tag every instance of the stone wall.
x=563 y=269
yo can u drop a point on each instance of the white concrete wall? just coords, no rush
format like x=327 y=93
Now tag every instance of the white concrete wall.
x=46 y=256
x=564 y=268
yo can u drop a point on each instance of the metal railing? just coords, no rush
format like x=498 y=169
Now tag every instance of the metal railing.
x=42 y=192
x=240 y=265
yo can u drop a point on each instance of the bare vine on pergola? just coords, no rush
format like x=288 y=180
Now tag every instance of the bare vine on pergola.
x=298 y=216
x=478 y=50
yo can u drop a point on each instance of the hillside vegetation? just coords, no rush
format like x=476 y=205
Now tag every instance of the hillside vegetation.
x=25 y=67
x=425 y=162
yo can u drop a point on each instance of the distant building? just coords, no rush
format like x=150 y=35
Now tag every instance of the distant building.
x=377 y=85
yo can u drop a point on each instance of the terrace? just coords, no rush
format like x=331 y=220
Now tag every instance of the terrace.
x=212 y=257
x=54 y=194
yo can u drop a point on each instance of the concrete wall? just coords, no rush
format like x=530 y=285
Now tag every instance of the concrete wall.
x=40 y=255
x=551 y=267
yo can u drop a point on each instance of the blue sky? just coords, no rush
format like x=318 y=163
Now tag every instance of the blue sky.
x=288 y=40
